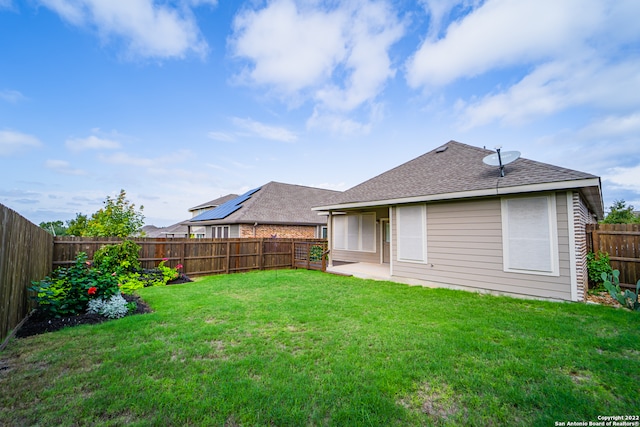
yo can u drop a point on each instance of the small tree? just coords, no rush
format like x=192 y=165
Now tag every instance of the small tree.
x=77 y=226
x=117 y=218
x=619 y=213
x=56 y=228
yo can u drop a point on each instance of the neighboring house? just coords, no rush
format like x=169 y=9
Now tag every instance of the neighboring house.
x=273 y=210
x=196 y=231
x=180 y=230
x=446 y=219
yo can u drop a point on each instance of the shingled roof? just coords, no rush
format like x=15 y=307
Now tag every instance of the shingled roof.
x=278 y=203
x=456 y=170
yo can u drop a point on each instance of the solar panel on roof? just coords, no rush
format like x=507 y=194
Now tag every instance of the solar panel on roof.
x=225 y=209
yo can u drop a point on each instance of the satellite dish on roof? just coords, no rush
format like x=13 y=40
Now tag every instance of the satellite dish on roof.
x=501 y=159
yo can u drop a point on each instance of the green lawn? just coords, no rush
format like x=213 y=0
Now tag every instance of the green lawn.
x=300 y=348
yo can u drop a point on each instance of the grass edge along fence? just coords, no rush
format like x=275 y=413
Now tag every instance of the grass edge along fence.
x=201 y=257
x=26 y=254
x=622 y=243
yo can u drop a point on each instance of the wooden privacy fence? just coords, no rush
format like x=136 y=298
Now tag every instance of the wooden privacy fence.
x=26 y=254
x=622 y=243
x=206 y=256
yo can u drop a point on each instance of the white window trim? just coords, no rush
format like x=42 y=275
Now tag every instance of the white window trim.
x=424 y=236
x=553 y=237
x=345 y=237
x=222 y=228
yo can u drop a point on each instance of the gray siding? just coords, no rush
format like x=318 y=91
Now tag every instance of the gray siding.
x=464 y=248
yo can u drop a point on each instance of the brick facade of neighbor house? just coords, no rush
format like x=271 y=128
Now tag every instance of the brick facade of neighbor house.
x=280 y=231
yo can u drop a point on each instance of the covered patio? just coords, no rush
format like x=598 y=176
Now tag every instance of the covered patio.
x=362 y=270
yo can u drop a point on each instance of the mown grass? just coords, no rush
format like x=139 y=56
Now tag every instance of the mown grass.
x=305 y=348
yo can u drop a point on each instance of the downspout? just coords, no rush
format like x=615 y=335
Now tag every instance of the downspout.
x=330 y=238
x=391 y=248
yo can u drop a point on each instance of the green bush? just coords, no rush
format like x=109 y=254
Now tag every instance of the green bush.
x=142 y=278
x=168 y=273
x=67 y=291
x=118 y=258
x=597 y=265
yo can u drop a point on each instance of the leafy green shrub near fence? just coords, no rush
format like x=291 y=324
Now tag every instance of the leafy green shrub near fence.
x=597 y=265
x=67 y=291
x=97 y=287
x=119 y=257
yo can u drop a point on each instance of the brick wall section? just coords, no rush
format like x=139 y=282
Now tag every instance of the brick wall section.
x=581 y=217
x=280 y=231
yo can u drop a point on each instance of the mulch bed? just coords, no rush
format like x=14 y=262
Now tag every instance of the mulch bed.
x=36 y=324
x=602 y=298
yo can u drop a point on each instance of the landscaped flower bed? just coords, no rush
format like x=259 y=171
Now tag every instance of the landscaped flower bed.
x=87 y=292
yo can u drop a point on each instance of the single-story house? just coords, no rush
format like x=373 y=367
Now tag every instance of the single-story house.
x=272 y=210
x=447 y=219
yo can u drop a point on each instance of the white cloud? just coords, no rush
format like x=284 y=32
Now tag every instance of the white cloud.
x=91 y=143
x=500 y=33
x=440 y=10
x=221 y=136
x=337 y=124
x=627 y=178
x=148 y=29
x=556 y=86
x=265 y=131
x=126 y=159
x=578 y=57
x=12 y=142
x=289 y=48
x=614 y=127
x=63 y=167
x=336 y=56
x=12 y=96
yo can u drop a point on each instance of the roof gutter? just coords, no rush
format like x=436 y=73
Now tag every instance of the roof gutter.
x=499 y=191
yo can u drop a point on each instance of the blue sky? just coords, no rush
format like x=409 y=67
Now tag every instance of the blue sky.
x=179 y=102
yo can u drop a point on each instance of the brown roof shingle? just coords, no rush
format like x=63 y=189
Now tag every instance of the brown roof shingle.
x=279 y=203
x=458 y=168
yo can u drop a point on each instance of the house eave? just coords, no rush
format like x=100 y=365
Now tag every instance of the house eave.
x=498 y=191
x=252 y=222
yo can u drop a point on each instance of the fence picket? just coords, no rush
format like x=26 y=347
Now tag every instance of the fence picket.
x=26 y=253
x=621 y=242
x=201 y=256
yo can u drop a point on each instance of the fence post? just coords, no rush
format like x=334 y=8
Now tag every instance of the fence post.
x=227 y=258
x=261 y=254
x=596 y=240
x=184 y=252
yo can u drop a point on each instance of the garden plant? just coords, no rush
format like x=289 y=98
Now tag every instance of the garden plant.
x=97 y=287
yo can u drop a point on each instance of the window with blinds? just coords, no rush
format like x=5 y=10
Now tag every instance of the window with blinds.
x=412 y=233
x=529 y=235
x=355 y=232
